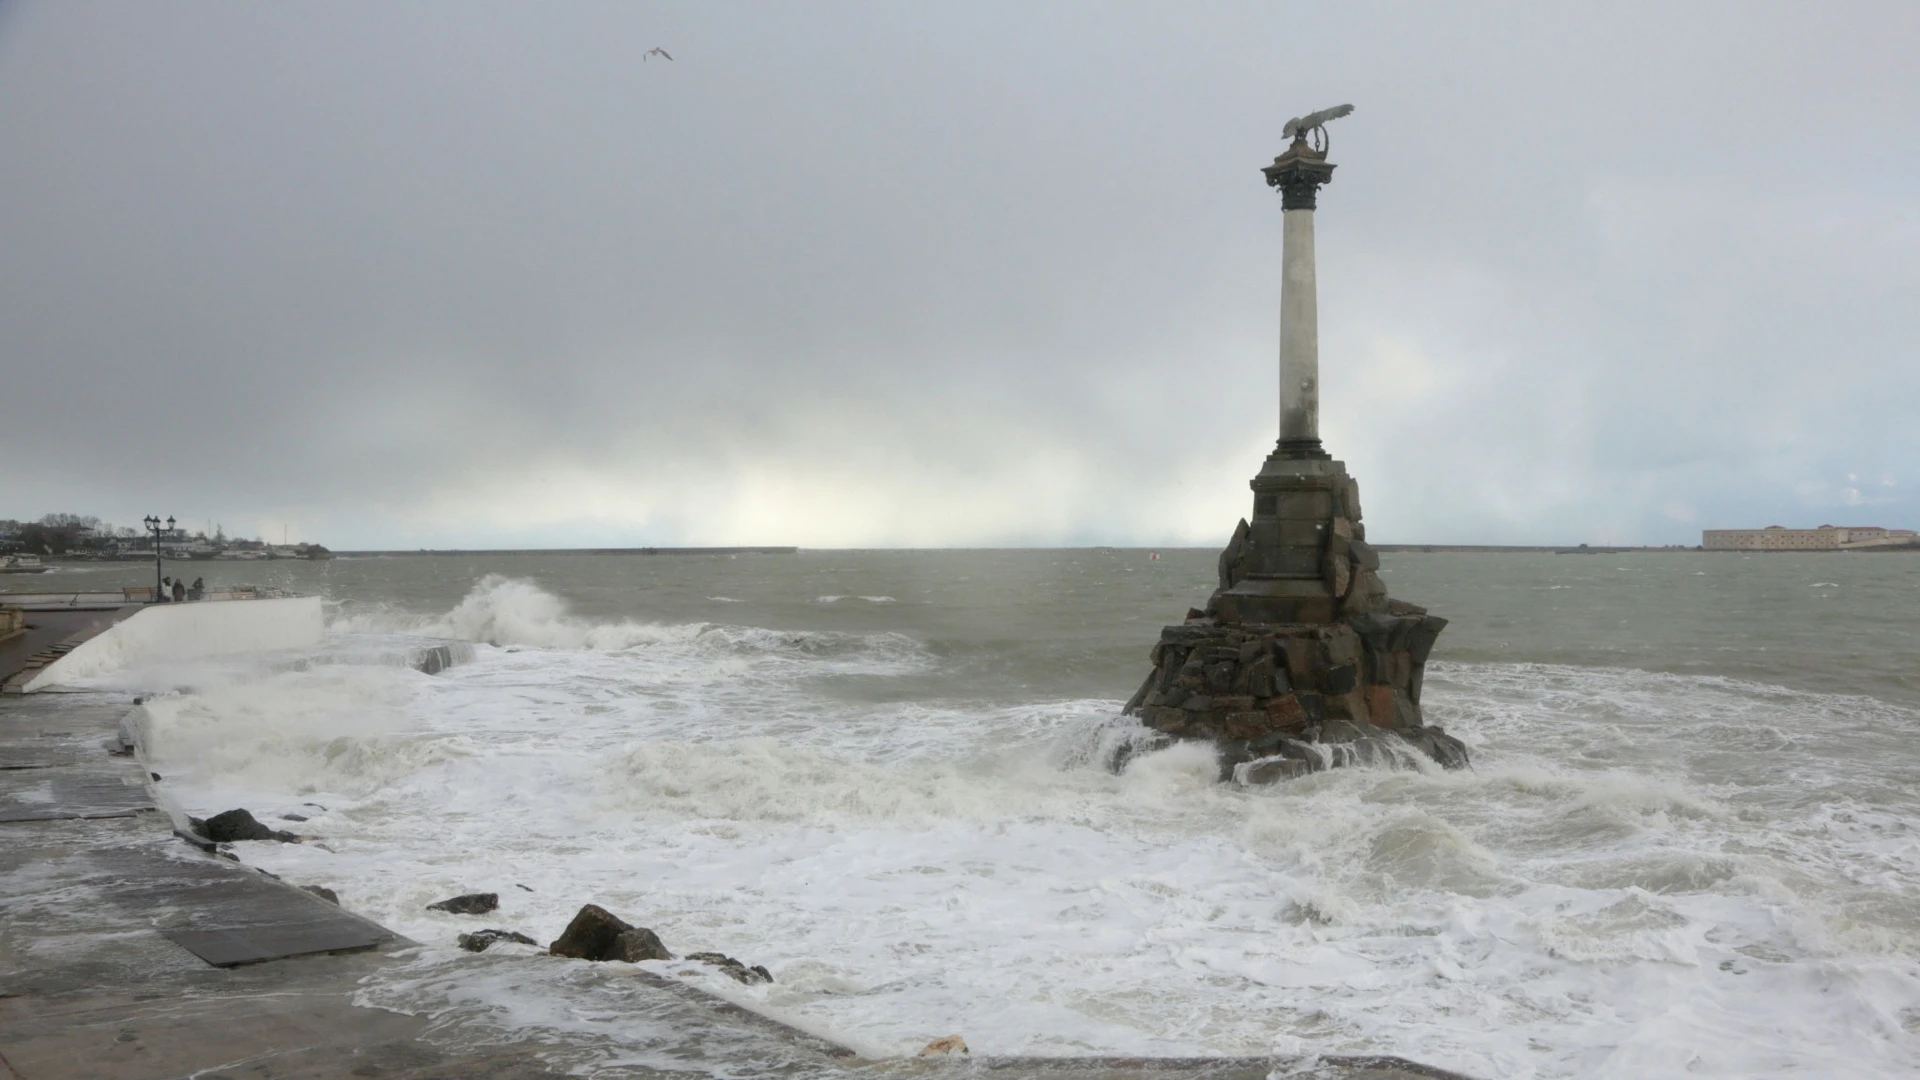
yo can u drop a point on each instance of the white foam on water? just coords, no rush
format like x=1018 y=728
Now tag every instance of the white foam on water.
x=1645 y=875
x=508 y=611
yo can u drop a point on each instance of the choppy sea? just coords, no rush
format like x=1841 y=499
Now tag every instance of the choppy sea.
x=1689 y=845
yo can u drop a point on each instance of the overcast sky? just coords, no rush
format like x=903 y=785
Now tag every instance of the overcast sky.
x=467 y=274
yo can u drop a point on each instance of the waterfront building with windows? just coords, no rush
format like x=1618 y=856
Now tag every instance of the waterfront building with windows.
x=1824 y=538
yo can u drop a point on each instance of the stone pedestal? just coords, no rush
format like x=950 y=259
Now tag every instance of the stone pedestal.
x=1277 y=569
x=1300 y=661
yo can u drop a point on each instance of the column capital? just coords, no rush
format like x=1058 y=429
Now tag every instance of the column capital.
x=1298 y=174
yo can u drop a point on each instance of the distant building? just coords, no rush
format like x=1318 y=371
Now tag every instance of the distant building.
x=1824 y=538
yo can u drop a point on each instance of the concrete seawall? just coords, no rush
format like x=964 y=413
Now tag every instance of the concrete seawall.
x=174 y=632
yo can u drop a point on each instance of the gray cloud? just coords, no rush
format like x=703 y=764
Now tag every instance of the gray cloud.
x=871 y=274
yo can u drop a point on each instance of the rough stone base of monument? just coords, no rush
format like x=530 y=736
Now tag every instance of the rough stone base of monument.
x=1300 y=661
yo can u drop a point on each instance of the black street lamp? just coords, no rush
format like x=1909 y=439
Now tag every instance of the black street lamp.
x=153 y=526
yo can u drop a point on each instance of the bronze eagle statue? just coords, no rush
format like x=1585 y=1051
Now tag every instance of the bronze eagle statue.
x=1300 y=125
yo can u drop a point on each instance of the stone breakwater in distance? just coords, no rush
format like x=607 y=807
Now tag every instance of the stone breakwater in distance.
x=1281 y=699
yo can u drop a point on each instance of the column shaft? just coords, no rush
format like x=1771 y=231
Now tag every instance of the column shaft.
x=1299 y=335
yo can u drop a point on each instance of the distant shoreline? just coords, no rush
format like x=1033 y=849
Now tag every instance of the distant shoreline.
x=586 y=551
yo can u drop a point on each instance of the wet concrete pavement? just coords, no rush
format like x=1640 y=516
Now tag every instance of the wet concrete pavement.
x=111 y=927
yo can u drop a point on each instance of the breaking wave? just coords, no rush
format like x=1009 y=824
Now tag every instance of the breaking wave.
x=515 y=613
x=506 y=611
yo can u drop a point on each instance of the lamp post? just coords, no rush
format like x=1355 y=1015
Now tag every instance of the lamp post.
x=153 y=526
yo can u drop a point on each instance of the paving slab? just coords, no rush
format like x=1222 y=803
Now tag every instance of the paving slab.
x=228 y=916
x=232 y=947
x=77 y=791
x=222 y=912
x=39 y=732
x=47 y=749
x=60 y=716
x=280 y=1025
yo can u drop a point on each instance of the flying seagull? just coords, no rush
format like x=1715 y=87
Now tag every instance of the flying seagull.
x=650 y=53
x=1300 y=124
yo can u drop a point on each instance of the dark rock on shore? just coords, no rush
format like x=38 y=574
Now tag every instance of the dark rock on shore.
x=482 y=940
x=432 y=660
x=639 y=944
x=238 y=824
x=734 y=968
x=1441 y=747
x=478 y=903
x=322 y=892
x=232 y=825
x=597 y=934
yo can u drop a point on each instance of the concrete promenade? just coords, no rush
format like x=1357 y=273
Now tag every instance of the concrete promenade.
x=127 y=953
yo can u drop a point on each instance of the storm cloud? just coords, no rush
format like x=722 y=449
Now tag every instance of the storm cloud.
x=462 y=274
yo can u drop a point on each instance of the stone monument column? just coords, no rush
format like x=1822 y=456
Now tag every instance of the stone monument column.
x=1298 y=174
x=1300 y=661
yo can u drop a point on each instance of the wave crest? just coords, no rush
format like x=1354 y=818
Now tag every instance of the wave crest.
x=508 y=611
x=505 y=611
x=515 y=612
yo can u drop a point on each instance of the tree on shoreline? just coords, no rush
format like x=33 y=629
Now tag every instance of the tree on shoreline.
x=55 y=534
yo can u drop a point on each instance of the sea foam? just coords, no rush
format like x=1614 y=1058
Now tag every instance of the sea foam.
x=1605 y=895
